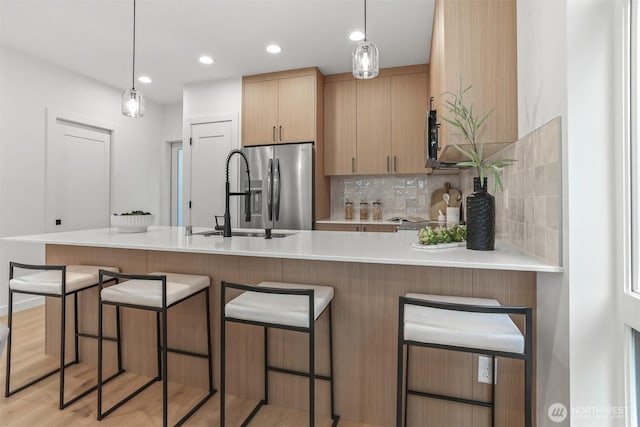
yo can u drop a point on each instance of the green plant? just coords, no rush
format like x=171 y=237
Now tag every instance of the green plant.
x=469 y=125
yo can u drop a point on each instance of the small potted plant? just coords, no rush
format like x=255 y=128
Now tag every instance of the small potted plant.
x=480 y=205
x=132 y=222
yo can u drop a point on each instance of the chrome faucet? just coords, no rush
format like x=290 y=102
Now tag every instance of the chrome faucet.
x=228 y=194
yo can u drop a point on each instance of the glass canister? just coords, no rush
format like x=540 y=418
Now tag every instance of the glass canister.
x=377 y=211
x=364 y=210
x=348 y=209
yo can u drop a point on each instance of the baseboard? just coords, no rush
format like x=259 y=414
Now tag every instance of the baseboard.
x=22 y=305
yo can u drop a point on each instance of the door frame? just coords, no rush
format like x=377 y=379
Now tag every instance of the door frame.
x=52 y=115
x=188 y=122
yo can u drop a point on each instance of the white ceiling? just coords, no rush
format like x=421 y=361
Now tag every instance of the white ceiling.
x=93 y=37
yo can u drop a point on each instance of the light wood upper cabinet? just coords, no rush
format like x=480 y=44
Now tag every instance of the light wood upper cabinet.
x=377 y=126
x=476 y=42
x=260 y=112
x=373 y=126
x=280 y=107
x=340 y=127
x=409 y=105
x=296 y=109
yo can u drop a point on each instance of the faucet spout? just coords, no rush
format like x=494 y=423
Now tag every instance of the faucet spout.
x=228 y=194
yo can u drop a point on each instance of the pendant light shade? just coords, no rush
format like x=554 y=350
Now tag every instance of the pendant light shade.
x=132 y=99
x=133 y=103
x=365 y=55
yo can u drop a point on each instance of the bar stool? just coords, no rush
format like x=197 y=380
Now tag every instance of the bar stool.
x=289 y=306
x=157 y=292
x=471 y=325
x=56 y=281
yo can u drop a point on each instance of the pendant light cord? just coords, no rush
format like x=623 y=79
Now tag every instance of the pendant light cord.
x=133 y=74
x=365 y=20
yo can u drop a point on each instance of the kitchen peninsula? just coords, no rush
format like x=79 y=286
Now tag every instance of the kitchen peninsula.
x=368 y=271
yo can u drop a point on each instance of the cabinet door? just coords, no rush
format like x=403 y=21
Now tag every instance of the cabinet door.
x=374 y=126
x=409 y=107
x=296 y=109
x=340 y=128
x=260 y=112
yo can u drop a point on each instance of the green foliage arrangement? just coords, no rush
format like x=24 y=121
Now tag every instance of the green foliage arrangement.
x=469 y=125
x=433 y=236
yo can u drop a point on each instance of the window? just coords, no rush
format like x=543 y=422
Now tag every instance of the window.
x=176 y=183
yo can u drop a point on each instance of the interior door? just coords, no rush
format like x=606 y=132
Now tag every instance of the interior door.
x=210 y=145
x=78 y=177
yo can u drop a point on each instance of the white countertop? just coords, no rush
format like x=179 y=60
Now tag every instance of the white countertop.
x=373 y=248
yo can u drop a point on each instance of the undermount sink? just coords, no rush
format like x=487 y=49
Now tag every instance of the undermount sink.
x=244 y=234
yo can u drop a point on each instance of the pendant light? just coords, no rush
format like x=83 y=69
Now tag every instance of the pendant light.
x=365 y=55
x=132 y=99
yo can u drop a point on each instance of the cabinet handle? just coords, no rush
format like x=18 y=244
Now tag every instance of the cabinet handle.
x=395 y=164
x=353 y=165
x=280 y=133
x=364 y=229
x=388 y=168
x=274 y=134
x=357 y=228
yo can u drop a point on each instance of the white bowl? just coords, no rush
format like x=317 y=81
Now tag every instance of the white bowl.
x=132 y=223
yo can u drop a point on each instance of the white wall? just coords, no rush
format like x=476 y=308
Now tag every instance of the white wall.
x=212 y=97
x=207 y=99
x=28 y=86
x=568 y=66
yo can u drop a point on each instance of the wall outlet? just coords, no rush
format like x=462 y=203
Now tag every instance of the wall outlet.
x=484 y=370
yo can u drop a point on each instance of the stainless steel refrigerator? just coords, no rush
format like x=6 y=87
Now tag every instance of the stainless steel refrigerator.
x=281 y=187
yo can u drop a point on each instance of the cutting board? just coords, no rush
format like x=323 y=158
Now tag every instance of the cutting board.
x=438 y=203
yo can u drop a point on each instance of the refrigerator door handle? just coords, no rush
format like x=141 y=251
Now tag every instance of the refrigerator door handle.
x=276 y=190
x=269 y=189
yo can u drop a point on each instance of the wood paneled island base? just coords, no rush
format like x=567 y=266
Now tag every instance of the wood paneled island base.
x=365 y=310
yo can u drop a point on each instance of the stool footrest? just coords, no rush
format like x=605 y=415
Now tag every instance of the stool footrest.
x=450 y=398
x=299 y=373
x=84 y=335
x=185 y=352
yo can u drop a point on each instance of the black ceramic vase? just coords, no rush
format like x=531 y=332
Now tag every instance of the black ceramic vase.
x=481 y=218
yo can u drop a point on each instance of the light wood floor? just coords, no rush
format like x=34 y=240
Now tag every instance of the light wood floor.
x=38 y=404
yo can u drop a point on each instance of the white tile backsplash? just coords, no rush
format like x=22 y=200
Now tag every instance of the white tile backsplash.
x=401 y=195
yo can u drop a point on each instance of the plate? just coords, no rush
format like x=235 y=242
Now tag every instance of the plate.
x=438 y=246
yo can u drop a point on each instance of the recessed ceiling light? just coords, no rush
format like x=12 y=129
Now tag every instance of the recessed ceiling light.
x=206 y=60
x=274 y=48
x=144 y=79
x=356 y=36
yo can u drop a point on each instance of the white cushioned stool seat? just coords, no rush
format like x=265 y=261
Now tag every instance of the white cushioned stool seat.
x=149 y=292
x=50 y=281
x=290 y=310
x=458 y=328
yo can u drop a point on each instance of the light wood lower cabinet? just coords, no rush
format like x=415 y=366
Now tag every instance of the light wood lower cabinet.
x=383 y=228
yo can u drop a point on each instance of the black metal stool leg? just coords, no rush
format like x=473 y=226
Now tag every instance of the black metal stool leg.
x=165 y=382
x=406 y=384
x=75 y=327
x=209 y=351
x=333 y=408
x=399 y=362
x=63 y=318
x=223 y=327
x=266 y=365
x=312 y=375
x=493 y=391
x=10 y=321
x=118 y=338
x=159 y=344
x=99 y=398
